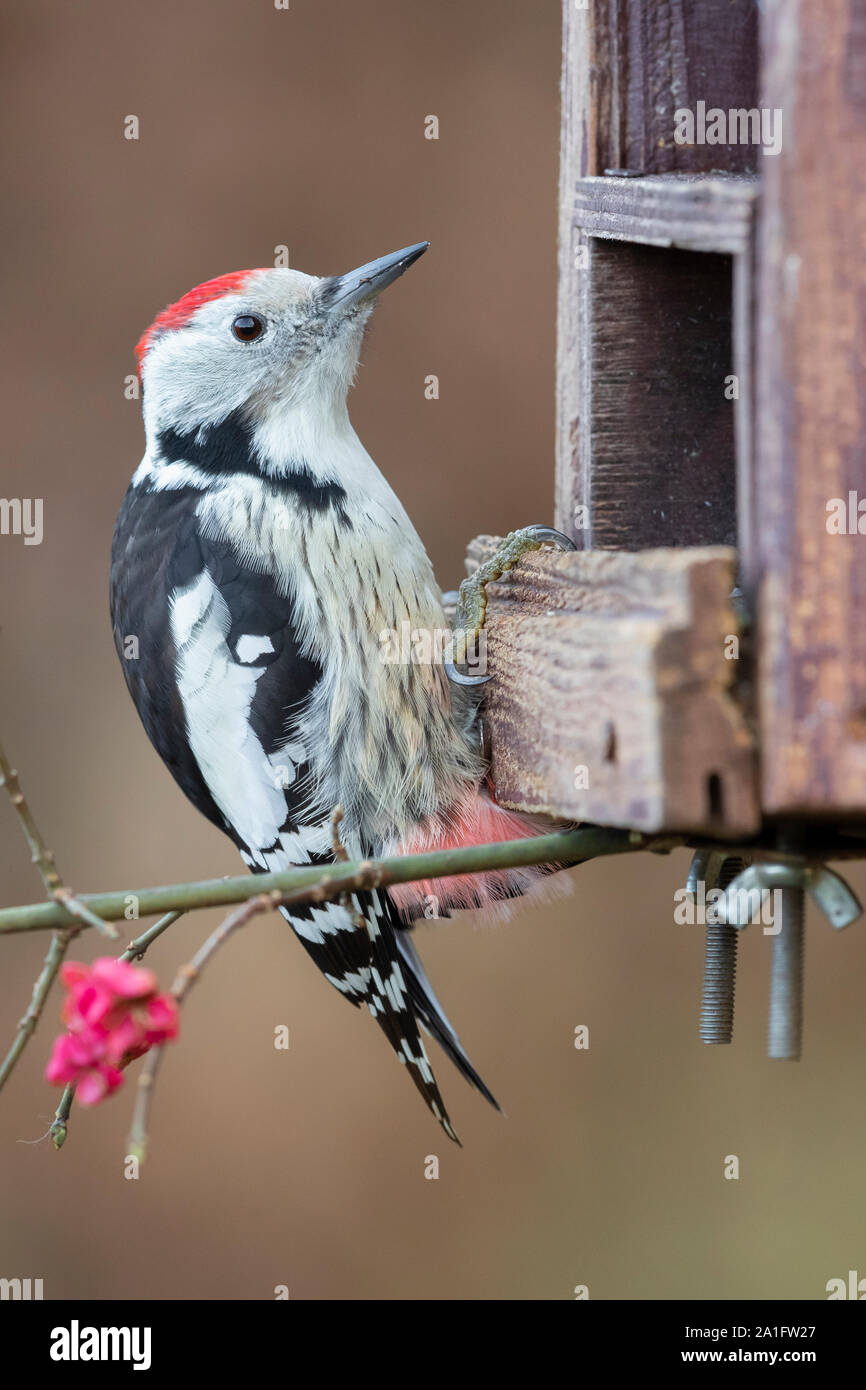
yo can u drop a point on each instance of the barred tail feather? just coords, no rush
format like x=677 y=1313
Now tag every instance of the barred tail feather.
x=357 y=951
x=433 y=1018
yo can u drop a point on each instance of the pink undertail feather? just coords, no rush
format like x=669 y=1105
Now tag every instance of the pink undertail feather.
x=477 y=821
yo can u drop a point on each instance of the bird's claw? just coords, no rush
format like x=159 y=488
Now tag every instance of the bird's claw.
x=458 y=678
x=547 y=535
x=472 y=596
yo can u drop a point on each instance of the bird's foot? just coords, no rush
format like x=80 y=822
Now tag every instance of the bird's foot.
x=472 y=596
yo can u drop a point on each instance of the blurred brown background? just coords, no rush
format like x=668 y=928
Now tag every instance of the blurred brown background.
x=306 y=1167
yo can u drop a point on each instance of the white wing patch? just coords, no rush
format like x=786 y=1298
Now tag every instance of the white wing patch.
x=217 y=693
x=188 y=606
x=249 y=648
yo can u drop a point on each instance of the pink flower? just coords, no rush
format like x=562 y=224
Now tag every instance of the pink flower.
x=72 y=1061
x=95 y=990
x=113 y=1014
x=97 y=1083
x=68 y=1056
x=125 y=980
x=161 y=1019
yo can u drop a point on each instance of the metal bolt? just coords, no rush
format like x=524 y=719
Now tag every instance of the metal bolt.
x=786 y=979
x=720 y=969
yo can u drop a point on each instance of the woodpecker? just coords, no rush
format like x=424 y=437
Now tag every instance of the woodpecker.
x=258 y=557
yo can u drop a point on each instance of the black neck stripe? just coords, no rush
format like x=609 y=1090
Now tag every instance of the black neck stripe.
x=227 y=448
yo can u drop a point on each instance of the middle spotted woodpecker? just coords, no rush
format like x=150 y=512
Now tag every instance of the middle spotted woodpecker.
x=258 y=558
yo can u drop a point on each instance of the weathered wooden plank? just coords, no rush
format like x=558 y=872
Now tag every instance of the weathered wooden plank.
x=673 y=54
x=811 y=416
x=744 y=407
x=586 y=142
x=656 y=452
x=697 y=212
x=613 y=699
x=627 y=69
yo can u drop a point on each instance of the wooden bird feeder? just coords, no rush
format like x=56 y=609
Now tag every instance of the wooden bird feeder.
x=698 y=665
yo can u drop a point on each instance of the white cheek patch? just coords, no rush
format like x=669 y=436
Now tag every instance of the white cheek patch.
x=217 y=694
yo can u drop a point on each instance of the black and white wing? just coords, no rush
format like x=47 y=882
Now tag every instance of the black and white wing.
x=217 y=676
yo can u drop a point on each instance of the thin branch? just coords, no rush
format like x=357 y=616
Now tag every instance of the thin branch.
x=320 y=883
x=136 y=1144
x=308 y=884
x=338 y=849
x=136 y=949
x=337 y=846
x=41 y=856
x=27 y=1026
x=79 y=909
x=61 y=1116
x=183 y=983
x=337 y=882
x=65 y=932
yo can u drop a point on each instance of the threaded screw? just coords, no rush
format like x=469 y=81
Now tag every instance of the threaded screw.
x=720 y=969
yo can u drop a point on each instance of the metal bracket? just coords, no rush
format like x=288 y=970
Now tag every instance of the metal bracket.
x=744 y=887
x=827 y=889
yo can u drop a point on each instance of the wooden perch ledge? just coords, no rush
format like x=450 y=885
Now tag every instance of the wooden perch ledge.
x=613 y=700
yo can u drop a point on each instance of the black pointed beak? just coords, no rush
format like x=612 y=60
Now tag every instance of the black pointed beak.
x=344 y=292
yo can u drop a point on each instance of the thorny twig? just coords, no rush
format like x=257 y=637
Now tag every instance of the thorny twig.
x=321 y=883
x=305 y=884
x=183 y=983
x=136 y=949
x=43 y=858
x=27 y=1026
x=367 y=876
x=326 y=884
x=341 y=857
x=337 y=846
x=82 y=911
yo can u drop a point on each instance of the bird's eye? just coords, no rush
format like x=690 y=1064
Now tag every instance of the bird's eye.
x=248 y=327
